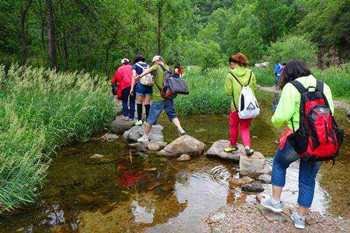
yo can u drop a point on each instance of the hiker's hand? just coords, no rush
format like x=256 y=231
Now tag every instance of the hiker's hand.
x=132 y=92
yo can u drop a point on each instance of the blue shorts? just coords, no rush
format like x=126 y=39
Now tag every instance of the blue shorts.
x=143 y=90
x=158 y=107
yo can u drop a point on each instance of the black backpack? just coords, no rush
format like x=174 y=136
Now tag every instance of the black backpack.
x=172 y=85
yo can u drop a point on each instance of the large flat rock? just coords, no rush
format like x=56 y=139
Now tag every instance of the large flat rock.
x=254 y=165
x=217 y=151
x=136 y=132
x=119 y=125
x=183 y=145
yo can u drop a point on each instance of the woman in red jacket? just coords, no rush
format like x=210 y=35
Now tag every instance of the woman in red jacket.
x=122 y=78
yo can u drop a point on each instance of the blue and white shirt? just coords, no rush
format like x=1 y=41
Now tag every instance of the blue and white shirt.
x=138 y=69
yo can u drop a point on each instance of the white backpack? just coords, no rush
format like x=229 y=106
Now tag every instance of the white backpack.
x=148 y=79
x=248 y=105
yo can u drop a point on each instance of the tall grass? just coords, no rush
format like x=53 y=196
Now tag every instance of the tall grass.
x=40 y=111
x=338 y=79
x=207 y=94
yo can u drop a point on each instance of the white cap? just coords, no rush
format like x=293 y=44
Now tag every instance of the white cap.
x=157 y=58
x=125 y=60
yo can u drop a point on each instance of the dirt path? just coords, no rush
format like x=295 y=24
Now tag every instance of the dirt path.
x=337 y=103
x=254 y=218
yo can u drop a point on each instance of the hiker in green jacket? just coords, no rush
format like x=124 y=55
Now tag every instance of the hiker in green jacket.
x=238 y=63
x=288 y=113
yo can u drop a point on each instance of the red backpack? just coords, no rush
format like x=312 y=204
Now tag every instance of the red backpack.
x=318 y=137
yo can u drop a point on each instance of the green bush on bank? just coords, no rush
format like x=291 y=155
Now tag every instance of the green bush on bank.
x=40 y=111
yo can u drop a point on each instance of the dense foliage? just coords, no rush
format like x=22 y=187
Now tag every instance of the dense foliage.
x=94 y=34
x=40 y=111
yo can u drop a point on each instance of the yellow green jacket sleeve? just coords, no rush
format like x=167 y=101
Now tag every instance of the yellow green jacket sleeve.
x=286 y=106
x=229 y=85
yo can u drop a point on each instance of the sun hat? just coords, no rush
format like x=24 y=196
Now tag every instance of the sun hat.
x=125 y=60
x=157 y=58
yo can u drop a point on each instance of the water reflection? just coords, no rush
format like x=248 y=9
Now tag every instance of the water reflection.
x=122 y=193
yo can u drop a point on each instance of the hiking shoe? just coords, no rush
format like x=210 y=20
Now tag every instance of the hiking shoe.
x=269 y=203
x=299 y=222
x=249 y=152
x=138 y=123
x=125 y=118
x=182 y=132
x=231 y=149
x=143 y=139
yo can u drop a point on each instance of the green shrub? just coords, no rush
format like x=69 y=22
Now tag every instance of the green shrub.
x=293 y=47
x=40 y=111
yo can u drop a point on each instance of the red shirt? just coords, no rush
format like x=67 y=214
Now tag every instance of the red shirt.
x=123 y=77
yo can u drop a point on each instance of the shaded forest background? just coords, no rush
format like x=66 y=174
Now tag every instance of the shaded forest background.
x=92 y=35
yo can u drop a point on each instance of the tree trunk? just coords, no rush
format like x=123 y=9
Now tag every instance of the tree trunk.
x=24 y=12
x=65 y=51
x=52 y=37
x=42 y=25
x=159 y=27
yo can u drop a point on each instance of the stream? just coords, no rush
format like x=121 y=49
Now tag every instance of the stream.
x=125 y=192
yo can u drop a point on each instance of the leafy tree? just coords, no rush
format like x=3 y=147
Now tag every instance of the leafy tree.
x=293 y=47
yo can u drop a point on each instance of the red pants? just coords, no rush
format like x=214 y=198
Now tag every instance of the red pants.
x=234 y=121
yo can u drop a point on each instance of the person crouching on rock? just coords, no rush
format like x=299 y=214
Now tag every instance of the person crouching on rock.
x=238 y=76
x=288 y=112
x=159 y=103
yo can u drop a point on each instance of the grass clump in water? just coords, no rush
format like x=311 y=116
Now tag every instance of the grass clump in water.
x=40 y=111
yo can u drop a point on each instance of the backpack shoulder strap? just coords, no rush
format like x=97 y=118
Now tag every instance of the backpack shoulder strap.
x=137 y=64
x=299 y=86
x=250 y=77
x=236 y=79
x=163 y=68
x=320 y=86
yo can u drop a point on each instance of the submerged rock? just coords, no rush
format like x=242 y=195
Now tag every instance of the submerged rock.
x=96 y=156
x=254 y=187
x=266 y=178
x=217 y=150
x=183 y=145
x=184 y=157
x=109 y=137
x=137 y=131
x=254 y=165
x=240 y=181
x=119 y=125
x=138 y=146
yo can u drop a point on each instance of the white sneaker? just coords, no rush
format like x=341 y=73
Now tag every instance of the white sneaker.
x=143 y=139
x=138 y=123
x=125 y=118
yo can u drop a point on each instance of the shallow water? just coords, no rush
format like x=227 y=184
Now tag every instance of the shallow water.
x=128 y=193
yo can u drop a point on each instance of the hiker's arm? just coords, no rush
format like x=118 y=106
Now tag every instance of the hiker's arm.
x=286 y=106
x=115 y=78
x=228 y=85
x=133 y=82
x=148 y=71
x=328 y=94
x=254 y=88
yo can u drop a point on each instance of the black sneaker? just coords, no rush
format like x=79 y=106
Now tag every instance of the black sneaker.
x=249 y=152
